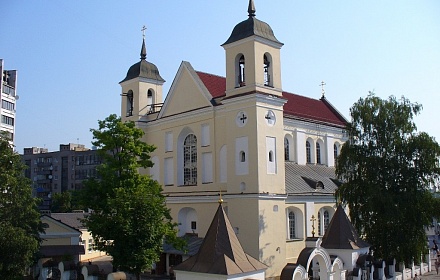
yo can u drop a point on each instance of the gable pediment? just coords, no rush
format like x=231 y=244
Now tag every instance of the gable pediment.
x=187 y=93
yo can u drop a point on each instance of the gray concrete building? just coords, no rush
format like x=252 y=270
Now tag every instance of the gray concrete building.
x=59 y=171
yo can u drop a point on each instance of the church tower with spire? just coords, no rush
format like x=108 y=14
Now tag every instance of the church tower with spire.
x=253 y=106
x=253 y=57
x=141 y=89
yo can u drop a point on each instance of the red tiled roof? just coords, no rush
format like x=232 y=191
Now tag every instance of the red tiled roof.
x=308 y=108
x=297 y=106
x=216 y=85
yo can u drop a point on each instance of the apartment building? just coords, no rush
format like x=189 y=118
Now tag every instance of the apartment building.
x=59 y=171
x=9 y=97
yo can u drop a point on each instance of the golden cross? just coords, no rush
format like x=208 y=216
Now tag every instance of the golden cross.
x=313 y=219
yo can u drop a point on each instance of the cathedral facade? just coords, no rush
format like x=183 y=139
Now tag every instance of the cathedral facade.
x=269 y=153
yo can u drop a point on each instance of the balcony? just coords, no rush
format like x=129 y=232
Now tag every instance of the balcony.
x=8 y=90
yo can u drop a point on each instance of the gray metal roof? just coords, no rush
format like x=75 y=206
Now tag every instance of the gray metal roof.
x=302 y=179
x=252 y=26
x=71 y=219
x=143 y=68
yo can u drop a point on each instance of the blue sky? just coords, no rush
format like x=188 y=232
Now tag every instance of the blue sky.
x=71 y=55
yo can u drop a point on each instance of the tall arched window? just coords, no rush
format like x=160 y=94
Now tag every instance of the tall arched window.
x=326 y=220
x=335 y=152
x=190 y=160
x=150 y=101
x=319 y=224
x=130 y=103
x=286 y=149
x=266 y=66
x=318 y=153
x=241 y=77
x=292 y=233
x=308 y=152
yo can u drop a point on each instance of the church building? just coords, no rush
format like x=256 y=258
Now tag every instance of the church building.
x=270 y=153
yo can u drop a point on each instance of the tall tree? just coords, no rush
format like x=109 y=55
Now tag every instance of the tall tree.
x=388 y=170
x=130 y=219
x=20 y=223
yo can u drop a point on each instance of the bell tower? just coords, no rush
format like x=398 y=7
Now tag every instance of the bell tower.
x=253 y=58
x=141 y=89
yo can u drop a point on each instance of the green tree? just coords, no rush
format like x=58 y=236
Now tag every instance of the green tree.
x=20 y=222
x=130 y=220
x=388 y=170
x=66 y=202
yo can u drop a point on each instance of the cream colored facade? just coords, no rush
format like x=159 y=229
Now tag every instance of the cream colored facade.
x=239 y=151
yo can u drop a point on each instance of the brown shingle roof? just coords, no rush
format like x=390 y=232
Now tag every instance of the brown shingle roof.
x=341 y=234
x=221 y=252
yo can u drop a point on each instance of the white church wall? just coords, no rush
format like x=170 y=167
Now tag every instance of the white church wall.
x=207 y=175
x=168 y=170
x=223 y=164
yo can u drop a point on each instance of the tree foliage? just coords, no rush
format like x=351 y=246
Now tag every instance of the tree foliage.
x=66 y=202
x=20 y=222
x=388 y=170
x=130 y=219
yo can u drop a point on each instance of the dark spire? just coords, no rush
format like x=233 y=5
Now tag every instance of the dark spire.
x=143 y=50
x=251 y=8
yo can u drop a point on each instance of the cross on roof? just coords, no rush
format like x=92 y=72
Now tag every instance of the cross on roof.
x=143 y=31
x=322 y=84
x=313 y=219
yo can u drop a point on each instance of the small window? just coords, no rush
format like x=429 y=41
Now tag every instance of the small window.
x=271 y=156
x=286 y=149
x=193 y=225
x=242 y=156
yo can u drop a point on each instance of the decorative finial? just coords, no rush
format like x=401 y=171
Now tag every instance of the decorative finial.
x=220 y=200
x=313 y=219
x=251 y=8
x=144 y=49
x=322 y=84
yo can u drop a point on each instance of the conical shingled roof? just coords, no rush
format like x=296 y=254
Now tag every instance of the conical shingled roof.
x=341 y=234
x=221 y=252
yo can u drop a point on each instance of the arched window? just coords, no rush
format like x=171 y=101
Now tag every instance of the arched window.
x=242 y=156
x=318 y=153
x=266 y=66
x=241 y=77
x=292 y=234
x=150 y=101
x=326 y=220
x=286 y=149
x=335 y=152
x=319 y=224
x=308 y=152
x=190 y=160
x=130 y=103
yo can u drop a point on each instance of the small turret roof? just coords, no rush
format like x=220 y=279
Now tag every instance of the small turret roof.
x=143 y=68
x=221 y=252
x=341 y=234
x=250 y=27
